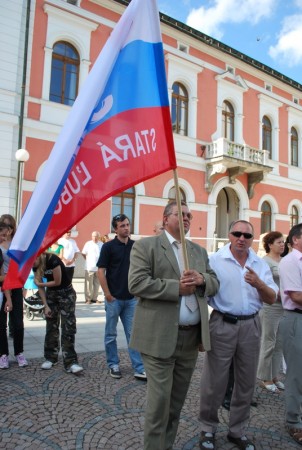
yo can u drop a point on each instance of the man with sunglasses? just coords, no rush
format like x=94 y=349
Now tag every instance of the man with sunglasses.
x=245 y=283
x=171 y=320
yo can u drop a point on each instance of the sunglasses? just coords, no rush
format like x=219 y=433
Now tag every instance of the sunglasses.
x=238 y=234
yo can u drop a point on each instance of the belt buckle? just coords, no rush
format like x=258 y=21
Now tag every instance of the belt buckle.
x=230 y=318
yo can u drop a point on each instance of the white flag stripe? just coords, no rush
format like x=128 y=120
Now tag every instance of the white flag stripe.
x=147 y=15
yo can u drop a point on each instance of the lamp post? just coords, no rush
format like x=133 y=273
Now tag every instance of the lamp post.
x=22 y=156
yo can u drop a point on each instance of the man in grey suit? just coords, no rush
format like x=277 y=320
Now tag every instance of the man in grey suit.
x=170 y=322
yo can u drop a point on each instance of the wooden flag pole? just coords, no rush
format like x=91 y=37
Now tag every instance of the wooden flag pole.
x=181 y=222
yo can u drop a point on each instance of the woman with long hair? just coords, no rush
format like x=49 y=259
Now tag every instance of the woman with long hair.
x=59 y=298
x=5 y=301
x=16 y=311
x=270 y=358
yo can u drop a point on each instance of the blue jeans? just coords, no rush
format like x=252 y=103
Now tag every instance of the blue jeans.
x=123 y=309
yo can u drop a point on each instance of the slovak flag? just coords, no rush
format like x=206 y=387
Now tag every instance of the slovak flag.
x=118 y=134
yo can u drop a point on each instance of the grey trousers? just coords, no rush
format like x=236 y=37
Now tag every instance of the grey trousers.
x=291 y=335
x=270 y=358
x=168 y=383
x=240 y=342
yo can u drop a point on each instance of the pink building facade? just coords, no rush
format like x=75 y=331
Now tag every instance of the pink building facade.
x=237 y=123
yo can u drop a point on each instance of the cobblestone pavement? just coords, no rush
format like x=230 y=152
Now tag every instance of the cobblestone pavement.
x=50 y=409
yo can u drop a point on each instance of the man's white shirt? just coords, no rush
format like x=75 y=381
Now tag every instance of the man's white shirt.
x=70 y=249
x=92 y=251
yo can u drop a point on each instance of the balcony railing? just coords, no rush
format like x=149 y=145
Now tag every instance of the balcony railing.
x=224 y=148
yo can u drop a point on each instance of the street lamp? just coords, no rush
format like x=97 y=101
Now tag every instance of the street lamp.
x=22 y=156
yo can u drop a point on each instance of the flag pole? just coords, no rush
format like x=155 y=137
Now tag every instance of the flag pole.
x=181 y=222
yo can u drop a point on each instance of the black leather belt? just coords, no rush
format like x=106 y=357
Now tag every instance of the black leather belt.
x=297 y=310
x=234 y=319
x=188 y=327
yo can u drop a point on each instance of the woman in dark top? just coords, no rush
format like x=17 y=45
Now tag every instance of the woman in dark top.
x=5 y=302
x=59 y=299
x=16 y=320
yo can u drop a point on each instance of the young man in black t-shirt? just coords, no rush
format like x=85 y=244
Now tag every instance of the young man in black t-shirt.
x=113 y=270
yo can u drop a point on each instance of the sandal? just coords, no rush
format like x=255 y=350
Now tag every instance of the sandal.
x=207 y=440
x=296 y=434
x=242 y=442
x=270 y=387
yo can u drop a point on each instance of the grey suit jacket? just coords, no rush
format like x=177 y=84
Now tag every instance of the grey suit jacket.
x=154 y=279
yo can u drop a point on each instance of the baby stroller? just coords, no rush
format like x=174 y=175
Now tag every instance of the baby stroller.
x=34 y=306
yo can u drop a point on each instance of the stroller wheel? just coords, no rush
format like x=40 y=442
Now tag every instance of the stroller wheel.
x=29 y=314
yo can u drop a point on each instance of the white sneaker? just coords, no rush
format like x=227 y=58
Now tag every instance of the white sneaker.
x=21 y=360
x=140 y=376
x=47 y=365
x=74 y=368
x=4 y=364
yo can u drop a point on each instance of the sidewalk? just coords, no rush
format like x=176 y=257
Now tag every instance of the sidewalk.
x=50 y=409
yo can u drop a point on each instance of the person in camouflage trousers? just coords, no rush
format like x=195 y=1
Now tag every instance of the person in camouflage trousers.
x=62 y=306
x=59 y=300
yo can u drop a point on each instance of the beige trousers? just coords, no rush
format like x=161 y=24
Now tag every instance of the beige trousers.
x=92 y=285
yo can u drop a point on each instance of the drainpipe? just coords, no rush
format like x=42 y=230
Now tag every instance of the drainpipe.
x=22 y=101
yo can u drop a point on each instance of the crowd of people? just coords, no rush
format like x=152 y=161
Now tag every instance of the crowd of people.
x=162 y=288
x=51 y=276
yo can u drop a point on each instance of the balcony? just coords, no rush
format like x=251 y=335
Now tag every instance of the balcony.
x=225 y=156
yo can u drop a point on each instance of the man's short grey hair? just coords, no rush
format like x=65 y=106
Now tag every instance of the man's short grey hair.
x=170 y=205
x=240 y=221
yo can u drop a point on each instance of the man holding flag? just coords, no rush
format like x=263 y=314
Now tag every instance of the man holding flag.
x=170 y=322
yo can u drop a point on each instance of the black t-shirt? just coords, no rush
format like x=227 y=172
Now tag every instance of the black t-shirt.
x=53 y=261
x=115 y=258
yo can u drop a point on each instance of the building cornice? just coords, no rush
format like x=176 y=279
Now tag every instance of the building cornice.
x=215 y=44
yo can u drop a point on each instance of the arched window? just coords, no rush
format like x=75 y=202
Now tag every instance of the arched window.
x=294 y=216
x=124 y=203
x=172 y=194
x=64 y=81
x=294 y=147
x=267 y=135
x=228 y=121
x=180 y=109
x=266 y=217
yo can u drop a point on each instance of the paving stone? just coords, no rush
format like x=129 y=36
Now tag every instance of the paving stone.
x=55 y=410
